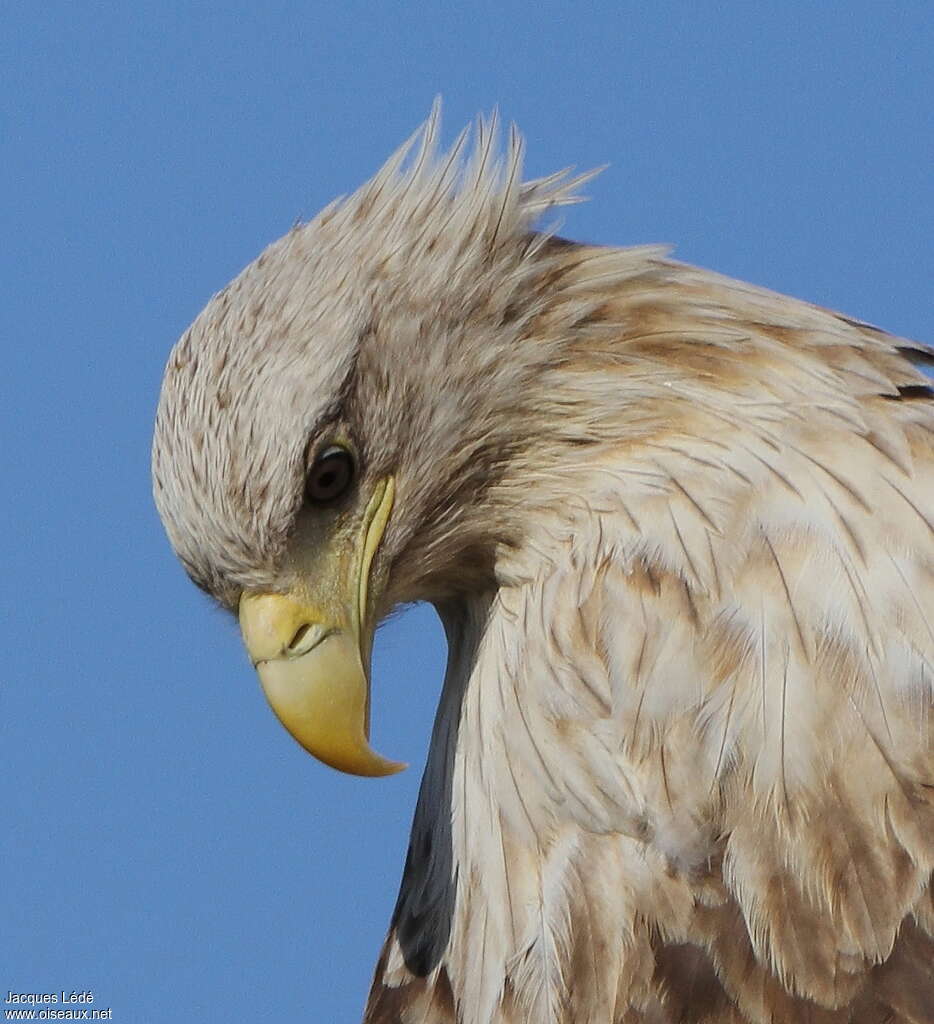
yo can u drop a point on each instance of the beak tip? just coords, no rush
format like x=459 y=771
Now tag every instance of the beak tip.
x=365 y=764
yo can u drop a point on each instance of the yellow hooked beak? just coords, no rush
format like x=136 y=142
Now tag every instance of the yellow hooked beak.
x=311 y=648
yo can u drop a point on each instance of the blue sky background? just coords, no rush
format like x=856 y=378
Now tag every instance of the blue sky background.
x=164 y=842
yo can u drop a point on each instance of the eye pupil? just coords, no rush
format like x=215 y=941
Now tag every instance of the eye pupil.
x=330 y=475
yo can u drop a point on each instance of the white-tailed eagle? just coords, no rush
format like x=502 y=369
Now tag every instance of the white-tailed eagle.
x=680 y=533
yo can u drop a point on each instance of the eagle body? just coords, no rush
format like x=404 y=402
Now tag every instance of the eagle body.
x=680 y=533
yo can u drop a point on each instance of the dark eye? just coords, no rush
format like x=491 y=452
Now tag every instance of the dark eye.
x=330 y=475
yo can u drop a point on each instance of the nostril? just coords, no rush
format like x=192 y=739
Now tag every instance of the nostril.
x=300 y=635
x=306 y=638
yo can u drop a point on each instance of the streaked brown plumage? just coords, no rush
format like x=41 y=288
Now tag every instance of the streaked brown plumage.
x=680 y=531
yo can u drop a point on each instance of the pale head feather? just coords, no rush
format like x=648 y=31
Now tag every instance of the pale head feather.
x=397 y=278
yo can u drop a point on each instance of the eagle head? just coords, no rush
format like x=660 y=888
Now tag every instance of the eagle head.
x=351 y=423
